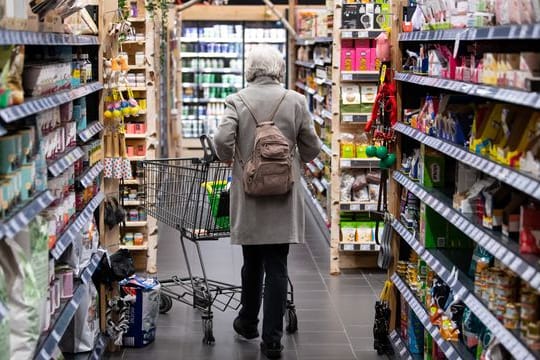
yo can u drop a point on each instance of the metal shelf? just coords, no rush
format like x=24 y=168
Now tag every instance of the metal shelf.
x=526 y=266
x=91 y=130
x=33 y=106
x=359 y=247
x=88 y=272
x=75 y=227
x=319 y=120
x=321 y=81
x=433 y=259
x=210 y=55
x=518 y=97
x=313 y=41
x=135 y=136
x=368 y=163
x=305 y=88
x=501 y=32
x=357 y=206
x=100 y=348
x=400 y=348
x=360 y=34
x=265 y=41
x=355 y=118
x=319 y=98
x=59 y=166
x=210 y=40
x=510 y=176
x=448 y=348
x=213 y=70
x=318 y=208
x=326 y=114
x=9 y=37
x=326 y=149
x=25 y=214
x=360 y=76
x=88 y=177
x=306 y=64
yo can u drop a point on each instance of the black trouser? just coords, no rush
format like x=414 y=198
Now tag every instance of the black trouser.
x=258 y=261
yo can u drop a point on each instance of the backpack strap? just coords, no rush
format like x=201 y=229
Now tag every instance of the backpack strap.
x=257 y=123
x=271 y=117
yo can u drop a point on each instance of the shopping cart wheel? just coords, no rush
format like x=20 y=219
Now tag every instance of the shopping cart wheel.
x=291 y=319
x=208 y=331
x=165 y=303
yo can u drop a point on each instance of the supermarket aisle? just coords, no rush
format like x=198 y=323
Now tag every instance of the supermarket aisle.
x=335 y=313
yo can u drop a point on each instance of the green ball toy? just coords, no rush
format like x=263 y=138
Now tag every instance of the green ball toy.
x=388 y=161
x=371 y=151
x=381 y=152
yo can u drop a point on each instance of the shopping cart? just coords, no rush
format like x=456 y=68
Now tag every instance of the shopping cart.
x=191 y=195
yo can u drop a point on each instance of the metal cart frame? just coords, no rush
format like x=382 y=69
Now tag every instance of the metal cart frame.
x=191 y=196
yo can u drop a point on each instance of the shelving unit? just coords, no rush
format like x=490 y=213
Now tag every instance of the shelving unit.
x=211 y=66
x=346 y=121
x=48 y=171
x=311 y=76
x=145 y=25
x=449 y=262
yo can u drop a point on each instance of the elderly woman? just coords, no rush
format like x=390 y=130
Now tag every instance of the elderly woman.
x=265 y=226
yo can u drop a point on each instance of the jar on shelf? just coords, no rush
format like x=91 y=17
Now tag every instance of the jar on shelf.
x=133 y=215
x=139 y=58
x=128 y=239
x=138 y=239
x=142 y=214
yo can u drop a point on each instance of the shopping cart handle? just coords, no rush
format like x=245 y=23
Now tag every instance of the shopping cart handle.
x=208 y=149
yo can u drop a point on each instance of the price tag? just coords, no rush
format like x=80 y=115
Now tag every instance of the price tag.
x=360 y=34
x=347 y=118
x=355 y=207
x=347 y=77
x=346 y=163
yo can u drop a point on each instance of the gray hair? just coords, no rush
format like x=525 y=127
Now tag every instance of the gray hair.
x=264 y=60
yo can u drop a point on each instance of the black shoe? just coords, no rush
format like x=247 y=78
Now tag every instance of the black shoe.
x=272 y=350
x=244 y=331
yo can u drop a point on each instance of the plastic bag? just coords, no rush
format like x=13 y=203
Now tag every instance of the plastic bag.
x=143 y=311
x=381 y=324
x=25 y=294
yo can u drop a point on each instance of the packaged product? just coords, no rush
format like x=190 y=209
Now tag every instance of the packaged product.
x=143 y=310
x=84 y=328
x=347 y=146
x=529 y=230
x=348 y=232
x=4 y=318
x=364 y=232
x=25 y=262
x=415 y=333
x=84 y=246
x=347 y=181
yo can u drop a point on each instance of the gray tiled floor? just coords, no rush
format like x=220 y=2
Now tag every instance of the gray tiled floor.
x=335 y=313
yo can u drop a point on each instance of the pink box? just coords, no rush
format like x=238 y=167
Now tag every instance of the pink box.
x=363 y=59
x=375 y=63
x=348 y=59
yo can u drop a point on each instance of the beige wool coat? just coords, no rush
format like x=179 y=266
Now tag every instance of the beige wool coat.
x=276 y=219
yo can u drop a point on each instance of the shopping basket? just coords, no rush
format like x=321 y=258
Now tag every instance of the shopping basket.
x=191 y=195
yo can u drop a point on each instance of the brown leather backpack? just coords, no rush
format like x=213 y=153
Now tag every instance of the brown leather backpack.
x=268 y=171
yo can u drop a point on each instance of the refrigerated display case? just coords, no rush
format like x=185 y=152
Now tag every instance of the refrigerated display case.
x=213 y=59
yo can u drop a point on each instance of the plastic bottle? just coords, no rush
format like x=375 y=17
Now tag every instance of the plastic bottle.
x=75 y=71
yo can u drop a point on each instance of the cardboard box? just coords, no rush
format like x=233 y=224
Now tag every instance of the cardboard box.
x=432 y=163
x=349 y=16
x=348 y=59
x=433 y=228
x=363 y=59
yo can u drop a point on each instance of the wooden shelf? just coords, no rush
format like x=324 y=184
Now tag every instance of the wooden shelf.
x=135 y=247
x=136 y=224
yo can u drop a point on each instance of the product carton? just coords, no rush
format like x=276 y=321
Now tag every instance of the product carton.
x=350 y=16
x=432 y=163
x=348 y=58
x=433 y=228
x=363 y=59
